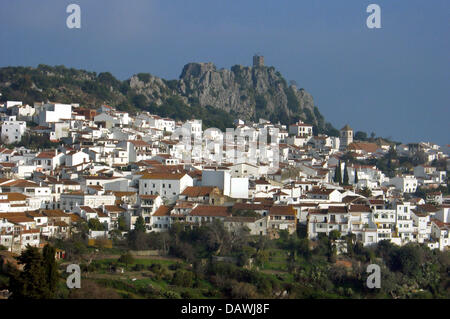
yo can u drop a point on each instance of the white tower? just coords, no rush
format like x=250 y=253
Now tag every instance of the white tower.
x=346 y=137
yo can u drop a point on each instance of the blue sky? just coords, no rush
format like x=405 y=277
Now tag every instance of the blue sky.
x=393 y=81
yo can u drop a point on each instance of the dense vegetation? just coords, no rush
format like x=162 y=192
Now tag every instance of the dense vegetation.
x=251 y=267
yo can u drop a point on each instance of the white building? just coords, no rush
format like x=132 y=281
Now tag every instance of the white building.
x=301 y=129
x=167 y=185
x=12 y=131
x=405 y=184
x=346 y=137
x=54 y=112
x=195 y=127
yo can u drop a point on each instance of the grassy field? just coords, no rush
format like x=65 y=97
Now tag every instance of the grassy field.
x=151 y=280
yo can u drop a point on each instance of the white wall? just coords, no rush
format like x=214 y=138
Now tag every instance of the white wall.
x=220 y=179
x=239 y=187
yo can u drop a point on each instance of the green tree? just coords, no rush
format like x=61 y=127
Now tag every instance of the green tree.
x=31 y=283
x=95 y=224
x=356 y=176
x=407 y=259
x=51 y=268
x=337 y=174
x=366 y=192
x=334 y=234
x=183 y=278
x=121 y=224
x=345 y=180
x=126 y=259
x=361 y=136
x=139 y=226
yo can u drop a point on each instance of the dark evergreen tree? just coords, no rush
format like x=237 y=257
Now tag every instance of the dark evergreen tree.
x=51 y=269
x=345 y=180
x=356 y=176
x=337 y=174
x=121 y=223
x=31 y=283
x=139 y=226
x=95 y=224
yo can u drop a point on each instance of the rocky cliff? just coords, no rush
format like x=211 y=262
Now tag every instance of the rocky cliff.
x=242 y=92
x=247 y=91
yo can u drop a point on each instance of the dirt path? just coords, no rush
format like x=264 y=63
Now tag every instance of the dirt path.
x=273 y=272
x=106 y=256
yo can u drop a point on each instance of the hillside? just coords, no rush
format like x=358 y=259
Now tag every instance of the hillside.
x=202 y=91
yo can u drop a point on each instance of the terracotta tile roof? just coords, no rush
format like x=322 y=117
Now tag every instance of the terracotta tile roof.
x=102 y=215
x=18 y=219
x=4 y=164
x=441 y=224
x=96 y=187
x=250 y=206
x=209 y=210
x=34 y=214
x=163 y=210
x=197 y=191
x=30 y=231
x=163 y=176
x=321 y=191
x=124 y=194
x=46 y=155
x=54 y=213
x=15 y=196
x=20 y=183
x=359 y=209
x=148 y=196
x=139 y=143
x=282 y=210
x=262 y=182
x=337 y=209
x=350 y=198
x=88 y=209
x=366 y=147
x=113 y=208
x=75 y=218
x=427 y=208
x=61 y=223
x=100 y=178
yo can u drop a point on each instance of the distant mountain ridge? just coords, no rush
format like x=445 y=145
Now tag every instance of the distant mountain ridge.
x=202 y=91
